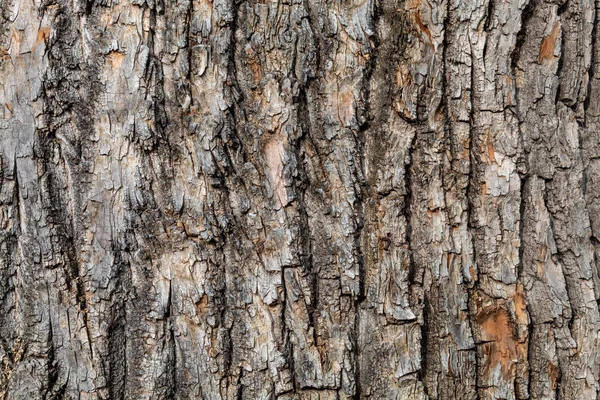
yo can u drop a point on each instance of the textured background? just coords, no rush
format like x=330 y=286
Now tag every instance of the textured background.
x=299 y=199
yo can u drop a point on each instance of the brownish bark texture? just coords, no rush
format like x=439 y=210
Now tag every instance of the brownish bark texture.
x=299 y=199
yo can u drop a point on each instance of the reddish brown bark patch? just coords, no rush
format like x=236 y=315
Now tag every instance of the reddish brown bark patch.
x=42 y=35
x=553 y=373
x=521 y=306
x=501 y=347
x=116 y=59
x=547 y=48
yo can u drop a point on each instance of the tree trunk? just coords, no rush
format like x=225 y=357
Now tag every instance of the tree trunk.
x=299 y=199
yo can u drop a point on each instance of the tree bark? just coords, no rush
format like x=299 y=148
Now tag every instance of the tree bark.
x=299 y=199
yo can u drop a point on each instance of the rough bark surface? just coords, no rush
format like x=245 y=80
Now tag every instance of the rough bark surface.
x=299 y=199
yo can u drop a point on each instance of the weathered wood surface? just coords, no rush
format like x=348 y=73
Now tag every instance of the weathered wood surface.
x=299 y=199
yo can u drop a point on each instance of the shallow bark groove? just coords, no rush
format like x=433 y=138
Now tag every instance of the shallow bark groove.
x=299 y=199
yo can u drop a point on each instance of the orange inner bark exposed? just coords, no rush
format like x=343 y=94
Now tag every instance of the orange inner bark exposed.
x=497 y=329
x=547 y=48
